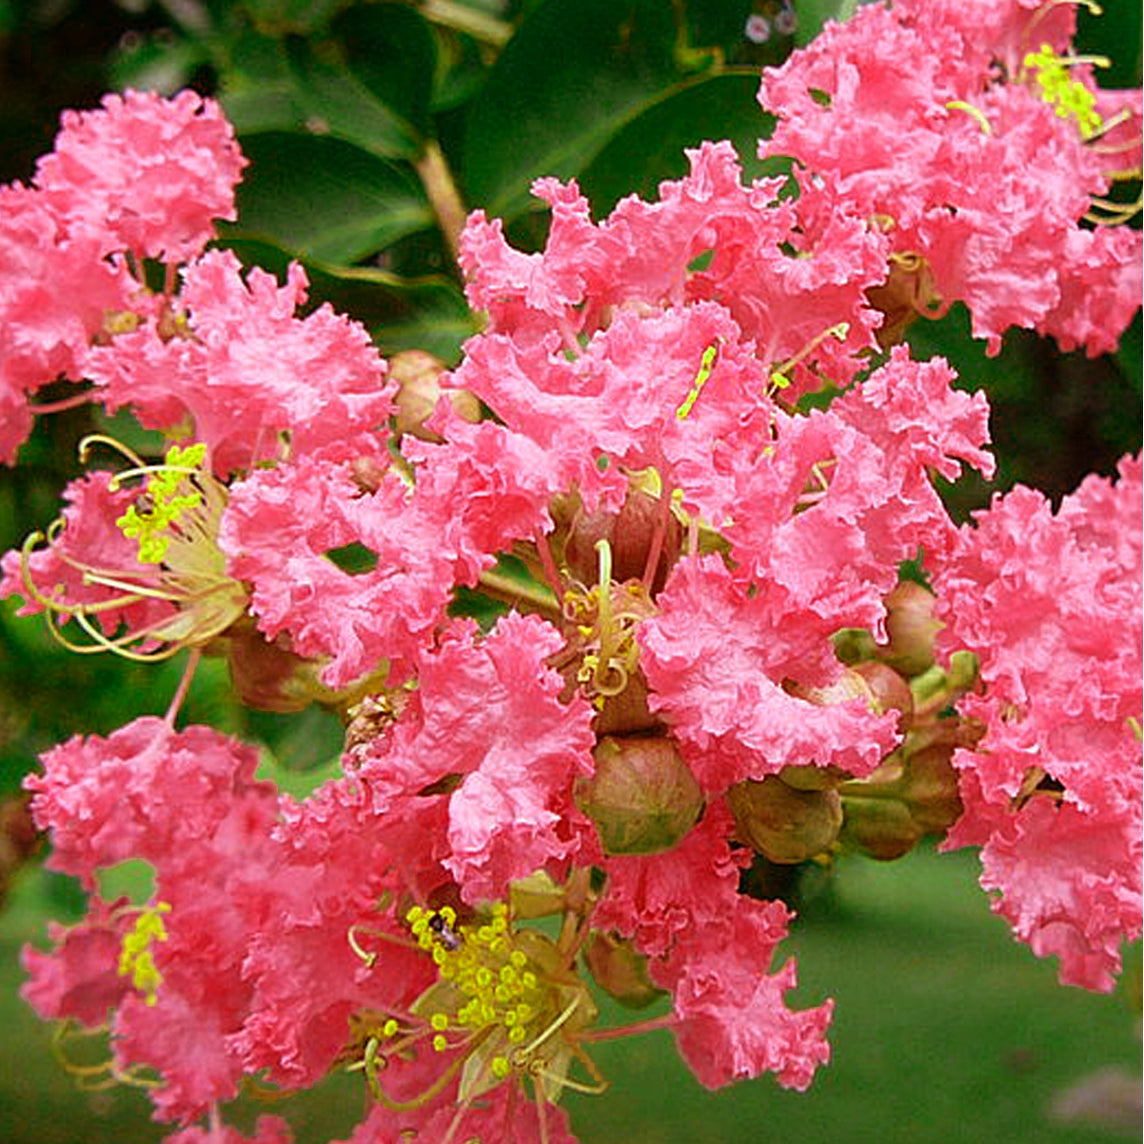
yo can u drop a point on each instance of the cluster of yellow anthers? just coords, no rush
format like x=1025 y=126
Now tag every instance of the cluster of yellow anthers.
x=493 y=976
x=506 y=1006
x=150 y=518
x=136 y=958
x=175 y=520
x=1070 y=98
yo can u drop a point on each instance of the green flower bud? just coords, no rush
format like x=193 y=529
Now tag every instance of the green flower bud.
x=783 y=824
x=642 y=798
x=883 y=828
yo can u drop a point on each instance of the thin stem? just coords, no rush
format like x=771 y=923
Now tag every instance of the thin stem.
x=184 y=685
x=444 y=197
x=63 y=404
x=637 y=1029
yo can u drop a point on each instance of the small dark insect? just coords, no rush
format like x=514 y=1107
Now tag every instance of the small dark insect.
x=444 y=932
x=144 y=504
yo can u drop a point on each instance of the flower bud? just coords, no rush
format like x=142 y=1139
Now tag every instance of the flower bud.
x=630 y=533
x=620 y=970
x=883 y=828
x=911 y=627
x=642 y=798
x=880 y=686
x=811 y=777
x=932 y=788
x=267 y=675
x=888 y=691
x=416 y=373
x=783 y=824
x=854 y=645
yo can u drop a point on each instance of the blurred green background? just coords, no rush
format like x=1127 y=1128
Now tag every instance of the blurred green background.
x=945 y=1029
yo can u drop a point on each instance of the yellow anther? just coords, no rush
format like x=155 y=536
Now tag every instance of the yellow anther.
x=501 y=1067
x=440 y=1044
x=439 y=1021
x=706 y=365
x=390 y=1027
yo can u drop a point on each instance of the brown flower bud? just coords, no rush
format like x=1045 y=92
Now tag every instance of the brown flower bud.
x=620 y=970
x=642 y=798
x=630 y=533
x=783 y=824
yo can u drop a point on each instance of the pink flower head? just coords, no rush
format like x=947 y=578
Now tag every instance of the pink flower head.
x=979 y=176
x=186 y=803
x=788 y=273
x=732 y=1021
x=54 y=294
x=254 y=380
x=486 y=729
x=144 y=174
x=1053 y=792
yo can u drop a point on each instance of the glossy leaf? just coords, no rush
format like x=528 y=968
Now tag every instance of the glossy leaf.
x=325 y=199
x=335 y=100
x=575 y=71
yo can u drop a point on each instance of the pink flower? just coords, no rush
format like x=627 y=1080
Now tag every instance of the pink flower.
x=54 y=293
x=788 y=273
x=731 y=1016
x=255 y=381
x=278 y=530
x=1053 y=792
x=268 y=1130
x=144 y=174
x=979 y=183
x=716 y=659
x=486 y=729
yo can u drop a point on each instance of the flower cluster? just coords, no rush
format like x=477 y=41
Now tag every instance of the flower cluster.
x=703 y=656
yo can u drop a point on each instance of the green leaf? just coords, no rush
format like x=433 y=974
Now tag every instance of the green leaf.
x=258 y=93
x=325 y=199
x=649 y=148
x=574 y=72
x=337 y=102
x=390 y=50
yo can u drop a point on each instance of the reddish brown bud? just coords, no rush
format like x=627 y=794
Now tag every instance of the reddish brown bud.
x=888 y=691
x=642 y=798
x=631 y=534
x=911 y=627
x=783 y=824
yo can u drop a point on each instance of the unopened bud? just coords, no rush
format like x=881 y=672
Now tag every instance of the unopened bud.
x=631 y=534
x=880 y=686
x=883 y=828
x=911 y=627
x=417 y=374
x=888 y=691
x=932 y=788
x=642 y=798
x=784 y=824
x=620 y=970
x=854 y=645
